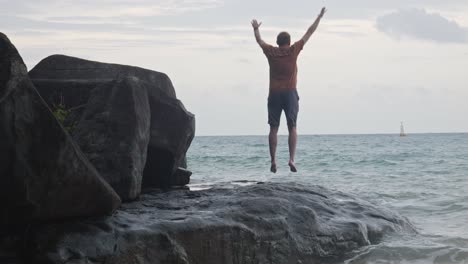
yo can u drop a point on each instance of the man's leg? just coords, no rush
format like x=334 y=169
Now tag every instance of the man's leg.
x=292 y=141
x=291 y=110
x=274 y=116
x=273 y=140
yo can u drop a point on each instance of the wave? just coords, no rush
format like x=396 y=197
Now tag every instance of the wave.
x=421 y=250
x=382 y=162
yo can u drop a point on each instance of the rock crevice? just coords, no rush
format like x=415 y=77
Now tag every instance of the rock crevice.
x=44 y=175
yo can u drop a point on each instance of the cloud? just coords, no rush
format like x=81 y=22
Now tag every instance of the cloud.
x=346 y=34
x=244 y=61
x=419 y=24
x=108 y=8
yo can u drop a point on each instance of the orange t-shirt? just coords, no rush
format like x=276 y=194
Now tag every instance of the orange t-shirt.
x=283 y=65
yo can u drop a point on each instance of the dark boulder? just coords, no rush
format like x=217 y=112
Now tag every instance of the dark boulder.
x=260 y=223
x=43 y=174
x=71 y=70
x=127 y=120
x=114 y=133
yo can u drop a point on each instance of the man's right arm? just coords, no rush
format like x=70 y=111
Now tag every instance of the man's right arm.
x=255 y=26
x=314 y=26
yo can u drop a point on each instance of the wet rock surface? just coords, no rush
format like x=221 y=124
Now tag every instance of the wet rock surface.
x=259 y=223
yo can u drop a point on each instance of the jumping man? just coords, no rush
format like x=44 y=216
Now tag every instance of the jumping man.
x=283 y=78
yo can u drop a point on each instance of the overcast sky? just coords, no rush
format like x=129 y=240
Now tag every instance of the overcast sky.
x=370 y=65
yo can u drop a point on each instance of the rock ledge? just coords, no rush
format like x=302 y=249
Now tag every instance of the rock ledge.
x=260 y=223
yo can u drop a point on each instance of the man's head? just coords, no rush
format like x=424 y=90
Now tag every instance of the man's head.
x=283 y=39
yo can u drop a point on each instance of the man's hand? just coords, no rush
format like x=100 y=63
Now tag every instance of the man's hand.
x=324 y=10
x=255 y=24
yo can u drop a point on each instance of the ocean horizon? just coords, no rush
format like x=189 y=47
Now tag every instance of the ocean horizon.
x=332 y=134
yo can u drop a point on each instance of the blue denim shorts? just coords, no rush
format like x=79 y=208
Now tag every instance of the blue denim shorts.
x=283 y=100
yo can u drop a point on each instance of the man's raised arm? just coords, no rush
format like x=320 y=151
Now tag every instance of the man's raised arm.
x=314 y=26
x=255 y=26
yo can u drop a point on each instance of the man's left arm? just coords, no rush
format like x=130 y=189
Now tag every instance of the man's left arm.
x=314 y=26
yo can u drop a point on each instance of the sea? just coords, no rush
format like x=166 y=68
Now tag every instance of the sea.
x=424 y=177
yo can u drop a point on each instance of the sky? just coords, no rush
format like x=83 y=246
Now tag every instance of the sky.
x=370 y=65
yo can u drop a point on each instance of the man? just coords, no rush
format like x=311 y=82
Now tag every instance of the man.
x=283 y=78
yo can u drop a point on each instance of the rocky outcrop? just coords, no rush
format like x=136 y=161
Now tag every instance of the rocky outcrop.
x=135 y=131
x=43 y=174
x=260 y=223
x=127 y=120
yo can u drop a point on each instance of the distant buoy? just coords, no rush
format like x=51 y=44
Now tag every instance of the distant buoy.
x=402 y=130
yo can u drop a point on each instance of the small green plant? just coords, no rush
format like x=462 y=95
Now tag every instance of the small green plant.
x=61 y=113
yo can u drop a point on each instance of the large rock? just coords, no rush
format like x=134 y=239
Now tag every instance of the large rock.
x=127 y=120
x=43 y=174
x=114 y=132
x=260 y=223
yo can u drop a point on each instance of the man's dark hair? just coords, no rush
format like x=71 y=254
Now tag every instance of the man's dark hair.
x=283 y=39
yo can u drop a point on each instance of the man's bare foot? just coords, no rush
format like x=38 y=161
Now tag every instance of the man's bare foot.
x=292 y=166
x=273 y=168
